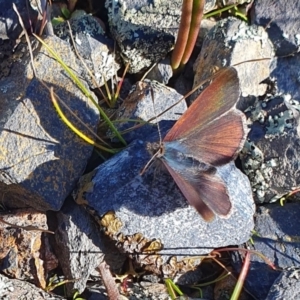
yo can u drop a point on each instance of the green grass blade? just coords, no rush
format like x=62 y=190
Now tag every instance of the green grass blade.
x=74 y=129
x=82 y=88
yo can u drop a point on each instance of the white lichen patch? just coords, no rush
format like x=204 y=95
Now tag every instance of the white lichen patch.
x=241 y=33
x=278 y=124
x=257 y=112
x=258 y=171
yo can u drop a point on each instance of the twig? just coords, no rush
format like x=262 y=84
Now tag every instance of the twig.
x=109 y=282
x=27 y=38
x=27 y=228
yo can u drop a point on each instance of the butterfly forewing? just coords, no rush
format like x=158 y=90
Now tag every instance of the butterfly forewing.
x=218 y=142
x=219 y=97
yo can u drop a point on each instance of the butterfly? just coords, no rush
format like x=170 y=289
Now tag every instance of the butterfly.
x=209 y=134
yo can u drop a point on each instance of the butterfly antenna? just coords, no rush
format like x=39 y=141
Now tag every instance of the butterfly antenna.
x=159 y=134
x=158 y=127
x=148 y=163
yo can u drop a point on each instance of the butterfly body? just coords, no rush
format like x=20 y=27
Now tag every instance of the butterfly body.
x=208 y=135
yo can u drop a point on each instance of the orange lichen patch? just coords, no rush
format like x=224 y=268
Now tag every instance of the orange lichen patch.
x=6 y=243
x=86 y=185
x=111 y=223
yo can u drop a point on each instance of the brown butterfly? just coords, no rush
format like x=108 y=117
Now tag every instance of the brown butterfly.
x=209 y=134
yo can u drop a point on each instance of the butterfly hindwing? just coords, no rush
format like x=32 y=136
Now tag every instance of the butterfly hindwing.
x=206 y=192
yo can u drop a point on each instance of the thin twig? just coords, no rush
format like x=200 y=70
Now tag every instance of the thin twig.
x=27 y=38
x=27 y=228
x=109 y=282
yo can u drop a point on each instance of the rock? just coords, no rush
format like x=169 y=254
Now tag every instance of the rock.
x=147 y=100
x=233 y=42
x=281 y=22
x=206 y=26
x=286 y=286
x=278 y=240
x=96 y=292
x=145 y=30
x=282 y=28
x=284 y=72
x=148 y=290
x=161 y=72
x=149 y=212
x=41 y=158
x=26 y=254
x=79 y=245
x=270 y=155
x=9 y=22
x=11 y=289
x=94 y=47
x=225 y=287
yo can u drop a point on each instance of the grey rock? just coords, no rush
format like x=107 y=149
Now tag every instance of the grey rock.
x=11 y=289
x=286 y=286
x=146 y=102
x=270 y=155
x=153 y=205
x=233 y=42
x=79 y=245
x=209 y=5
x=9 y=22
x=95 y=292
x=161 y=72
x=230 y=2
x=41 y=159
x=285 y=72
x=94 y=47
x=145 y=30
x=278 y=240
x=281 y=21
x=278 y=228
x=206 y=26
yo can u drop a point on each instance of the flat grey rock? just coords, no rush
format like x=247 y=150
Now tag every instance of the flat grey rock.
x=153 y=205
x=270 y=156
x=11 y=289
x=9 y=21
x=161 y=72
x=78 y=245
x=285 y=72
